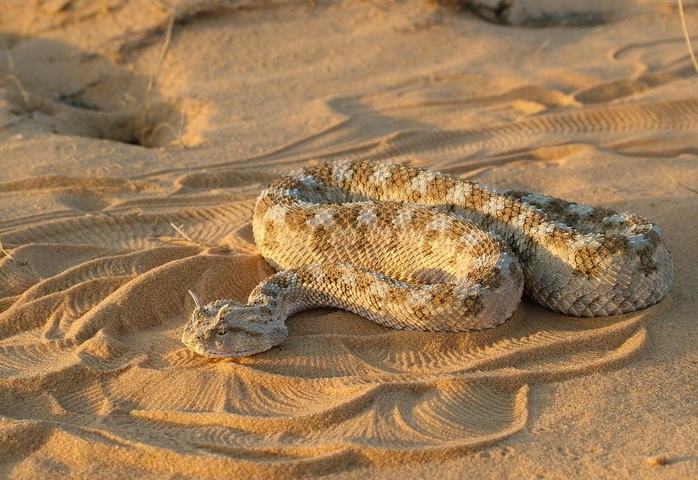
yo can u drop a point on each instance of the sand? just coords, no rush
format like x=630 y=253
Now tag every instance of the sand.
x=132 y=148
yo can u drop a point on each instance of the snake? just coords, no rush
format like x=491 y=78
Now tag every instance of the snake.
x=415 y=249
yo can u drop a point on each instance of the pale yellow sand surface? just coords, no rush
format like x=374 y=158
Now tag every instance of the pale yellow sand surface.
x=131 y=155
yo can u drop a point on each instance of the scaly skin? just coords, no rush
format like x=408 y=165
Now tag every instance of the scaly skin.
x=413 y=249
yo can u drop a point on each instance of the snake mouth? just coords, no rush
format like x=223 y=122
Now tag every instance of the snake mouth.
x=214 y=354
x=222 y=353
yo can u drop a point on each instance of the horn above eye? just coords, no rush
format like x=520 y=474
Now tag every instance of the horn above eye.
x=221 y=312
x=196 y=300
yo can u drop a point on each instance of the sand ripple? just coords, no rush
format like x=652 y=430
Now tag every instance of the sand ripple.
x=94 y=296
x=95 y=345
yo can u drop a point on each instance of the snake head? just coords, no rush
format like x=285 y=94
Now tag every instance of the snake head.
x=226 y=328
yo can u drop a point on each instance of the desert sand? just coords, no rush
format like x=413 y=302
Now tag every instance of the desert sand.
x=134 y=139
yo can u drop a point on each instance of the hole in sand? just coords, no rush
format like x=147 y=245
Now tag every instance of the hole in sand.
x=535 y=13
x=47 y=87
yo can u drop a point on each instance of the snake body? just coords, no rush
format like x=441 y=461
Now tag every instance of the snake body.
x=415 y=249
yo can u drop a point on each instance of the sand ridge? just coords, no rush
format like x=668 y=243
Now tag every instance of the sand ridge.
x=109 y=213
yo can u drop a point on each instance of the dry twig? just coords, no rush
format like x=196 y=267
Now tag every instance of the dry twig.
x=687 y=36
